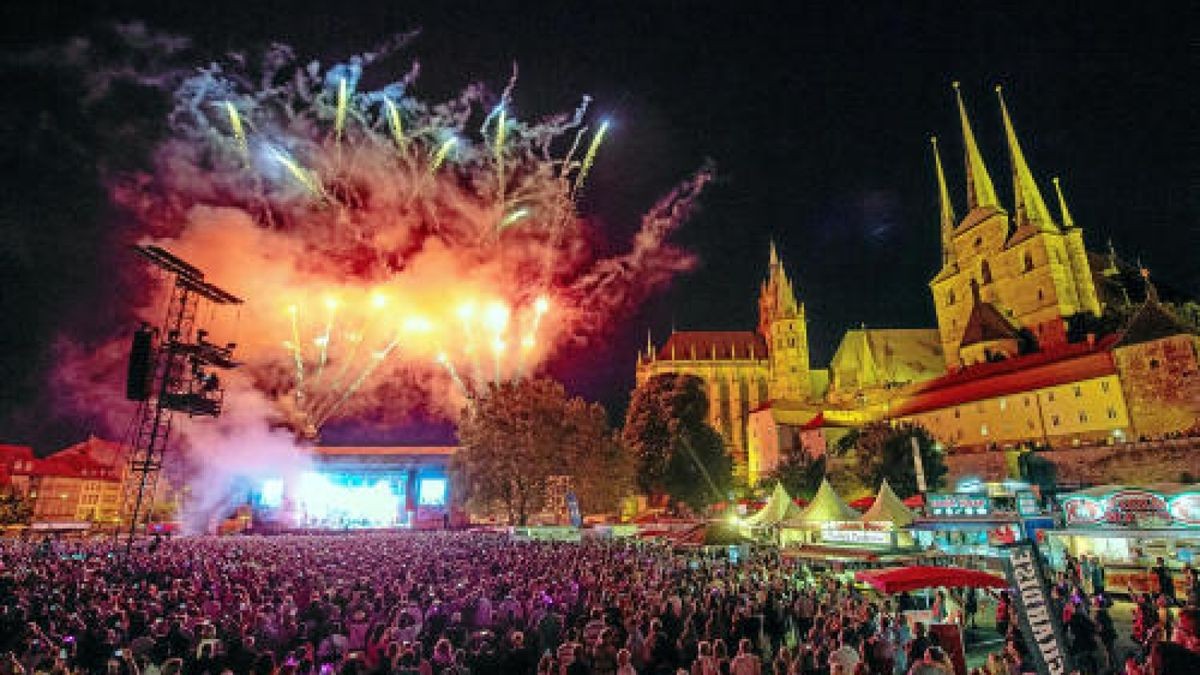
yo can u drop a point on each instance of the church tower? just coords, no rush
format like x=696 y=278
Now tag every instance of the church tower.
x=1002 y=275
x=782 y=325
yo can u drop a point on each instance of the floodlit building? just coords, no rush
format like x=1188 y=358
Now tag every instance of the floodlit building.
x=1021 y=353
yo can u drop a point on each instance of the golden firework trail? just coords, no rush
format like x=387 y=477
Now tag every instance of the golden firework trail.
x=296 y=353
x=302 y=175
x=339 y=122
x=235 y=122
x=376 y=360
x=499 y=151
x=589 y=158
x=394 y=122
x=442 y=152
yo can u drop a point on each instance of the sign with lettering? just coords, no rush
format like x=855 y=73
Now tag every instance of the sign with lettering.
x=1027 y=504
x=1034 y=611
x=958 y=504
x=874 y=537
x=1133 y=507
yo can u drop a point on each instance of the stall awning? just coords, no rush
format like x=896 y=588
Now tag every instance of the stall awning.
x=913 y=578
x=1128 y=533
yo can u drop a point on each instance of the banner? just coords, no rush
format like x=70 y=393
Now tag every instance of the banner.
x=1031 y=604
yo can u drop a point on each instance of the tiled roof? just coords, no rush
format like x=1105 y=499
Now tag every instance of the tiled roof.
x=1061 y=365
x=987 y=324
x=708 y=345
x=1151 y=322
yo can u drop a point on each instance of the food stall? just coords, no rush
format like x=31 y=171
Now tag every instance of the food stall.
x=965 y=523
x=1128 y=529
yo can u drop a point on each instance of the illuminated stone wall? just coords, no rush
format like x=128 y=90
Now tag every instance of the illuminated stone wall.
x=1162 y=384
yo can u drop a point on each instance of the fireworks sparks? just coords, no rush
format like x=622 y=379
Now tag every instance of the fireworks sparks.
x=388 y=268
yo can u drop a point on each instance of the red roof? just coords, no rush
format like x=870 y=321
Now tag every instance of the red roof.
x=711 y=345
x=817 y=422
x=1060 y=365
x=987 y=324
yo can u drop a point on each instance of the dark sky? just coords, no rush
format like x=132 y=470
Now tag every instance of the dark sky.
x=818 y=120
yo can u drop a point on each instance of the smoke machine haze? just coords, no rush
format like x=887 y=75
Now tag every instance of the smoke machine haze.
x=382 y=240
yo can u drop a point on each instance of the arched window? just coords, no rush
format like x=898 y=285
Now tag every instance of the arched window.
x=1028 y=261
x=950 y=297
x=1041 y=295
x=985 y=271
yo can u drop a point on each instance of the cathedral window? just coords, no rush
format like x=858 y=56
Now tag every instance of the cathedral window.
x=1028 y=261
x=1041 y=295
x=978 y=242
x=950 y=297
x=985 y=271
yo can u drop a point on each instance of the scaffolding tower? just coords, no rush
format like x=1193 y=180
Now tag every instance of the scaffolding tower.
x=179 y=374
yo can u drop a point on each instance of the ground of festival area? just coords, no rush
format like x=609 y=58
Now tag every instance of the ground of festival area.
x=983 y=640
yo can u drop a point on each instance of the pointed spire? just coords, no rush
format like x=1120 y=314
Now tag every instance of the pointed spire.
x=649 y=346
x=774 y=262
x=1067 y=221
x=946 y=207
x=980 y=191
x=1151 y=291
x=1028 y=204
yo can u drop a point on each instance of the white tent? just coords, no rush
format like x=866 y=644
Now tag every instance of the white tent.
x=779 y=507
x=826 y=507
x=888 y=508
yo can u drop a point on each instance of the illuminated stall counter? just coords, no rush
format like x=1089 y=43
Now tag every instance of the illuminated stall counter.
x=1128 y=529
x=965 y=524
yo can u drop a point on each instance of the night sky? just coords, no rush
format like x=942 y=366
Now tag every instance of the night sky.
x=818 y=121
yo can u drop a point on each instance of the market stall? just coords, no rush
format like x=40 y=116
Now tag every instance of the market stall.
x=826 y=513
x=1127 y=529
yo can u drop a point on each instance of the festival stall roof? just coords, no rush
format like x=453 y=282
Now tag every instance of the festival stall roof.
x=913 y=578
x=826 y=507
x=888 y=508
x=779 y=507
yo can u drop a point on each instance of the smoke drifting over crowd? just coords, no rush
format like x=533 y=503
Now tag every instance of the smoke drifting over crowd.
x=394 y=255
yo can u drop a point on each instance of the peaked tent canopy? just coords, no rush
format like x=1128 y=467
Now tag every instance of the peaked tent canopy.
x=826 y=507
x=779 y=507
x=913 y=578
x=888 y=508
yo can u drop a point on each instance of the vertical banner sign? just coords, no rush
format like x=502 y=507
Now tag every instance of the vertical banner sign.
x=573 y=509
x=1034 y=611
x=918 y=465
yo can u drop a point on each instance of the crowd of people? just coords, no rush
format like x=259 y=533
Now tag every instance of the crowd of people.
x=449 y=603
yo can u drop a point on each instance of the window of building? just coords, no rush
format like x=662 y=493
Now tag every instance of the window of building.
x=985 y=272
x=979 y=406
x=1050 y=396
x=1153 y=363
x=1078 y=391
x=1083 y=416
x=1029 y=423
x=1112 y=413
x=1028 y=266
x=1003 y=404
x=950 y=297
x=957 y=413
x=1041 y=295
x=792 y=342
x=1104 y=386
x=978 y=242
x=1026 y=401
x=1054 y=420
x=983 y=430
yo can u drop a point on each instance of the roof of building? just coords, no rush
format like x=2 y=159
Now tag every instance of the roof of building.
x=709 y=345
x=1060 y=365
x=870 y=357
x=1152 y=321
x=12 y=453
x=987 y=324
x=76 y=462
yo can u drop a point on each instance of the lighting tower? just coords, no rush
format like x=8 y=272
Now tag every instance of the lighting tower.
x=172 y=368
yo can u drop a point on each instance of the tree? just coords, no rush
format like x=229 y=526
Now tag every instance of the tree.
x=799 y=472
x=517 y=436
x=15 y=508
x=884 y=450
x=677 y=452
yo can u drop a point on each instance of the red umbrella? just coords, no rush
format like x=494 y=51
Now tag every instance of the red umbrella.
x=900 y=579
